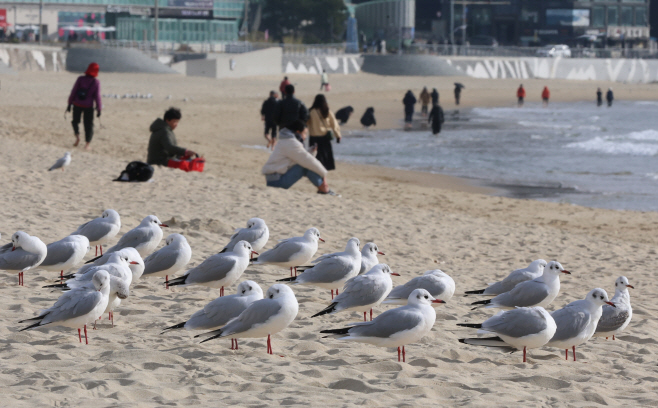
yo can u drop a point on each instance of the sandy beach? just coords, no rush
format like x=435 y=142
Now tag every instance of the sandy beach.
x=421 y=221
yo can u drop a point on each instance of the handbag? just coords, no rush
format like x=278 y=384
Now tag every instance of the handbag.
x=136 y=171
x=197 y=164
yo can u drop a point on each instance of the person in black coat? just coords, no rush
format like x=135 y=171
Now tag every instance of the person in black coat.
x=368 y=118
x=609 y=96
x=267 y=115
x=290 y=109
x=409 y=102
x=435 y=97
x=458 y=93
x=343 y=114
x=436 y=119
x=599 y=97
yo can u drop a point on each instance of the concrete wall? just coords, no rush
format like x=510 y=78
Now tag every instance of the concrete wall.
x=19 y=57
x=411 y=65
x=114 y=60
x=256 y=63
x=338 y=64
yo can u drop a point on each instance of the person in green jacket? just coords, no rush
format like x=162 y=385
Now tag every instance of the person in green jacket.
x=162 y=144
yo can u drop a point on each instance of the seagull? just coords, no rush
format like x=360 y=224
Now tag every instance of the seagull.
x=78 y=307
x=436 y=282
x=540 y=291
x=363 y=292
x=576 y=322
x=65 y=254
x=615 y=319
x=222 y=310
x=263 y=317
x=396 y=327
x=256 y=234
x=116 y=265
x=23 y=253
x=369 y=257
x=332 y=270
x=219 y=270
x=135 y=263
x=61 y=162
x=520 y=328
x=532 y=271
x=101 y=230
x=170 y=259
x=292 y=252
x=144 y=238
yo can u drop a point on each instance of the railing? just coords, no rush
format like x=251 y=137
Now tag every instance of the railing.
x=507 y=51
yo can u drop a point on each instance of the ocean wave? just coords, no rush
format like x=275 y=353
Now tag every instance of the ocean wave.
x=607 y=146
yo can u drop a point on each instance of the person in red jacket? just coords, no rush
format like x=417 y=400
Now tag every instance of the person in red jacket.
x=520 y=94
x=545 y=94
x=282 y=86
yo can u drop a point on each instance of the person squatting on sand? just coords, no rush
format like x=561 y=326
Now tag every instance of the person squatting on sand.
x=290 y=161
x=323 y=128
x=368 y=118
x=85 y=92
x=162 y=144
x=343 y=114
x=267 y=115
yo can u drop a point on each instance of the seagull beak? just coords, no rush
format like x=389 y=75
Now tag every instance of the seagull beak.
x=380 y=253
x=565 y=271
x=13 y=249
x=321 y=239
x=438 y=301
x=254 y=253
x=133 y=263
x=164 y=225
x=121 y=296
x=630 y=286
x=395 y=274
x=611 y=304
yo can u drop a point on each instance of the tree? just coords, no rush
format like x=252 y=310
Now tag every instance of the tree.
x=315 y=21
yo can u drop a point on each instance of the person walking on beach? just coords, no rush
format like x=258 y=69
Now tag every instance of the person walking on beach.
x=290 y=109
x=599 y=97
x=282 y=86
x=85 y=92
x=435 y=96
x=324 y=81
x=368 y=118
x=520 y=94
x=609 y=96
x=545 y=95
x=458 y=93
x=409 y=102
x=424 y=100
x=343 y=114
x=289 y=161
x=162 y=144
x=267 y=115
x=436 y=118
x=323 y=128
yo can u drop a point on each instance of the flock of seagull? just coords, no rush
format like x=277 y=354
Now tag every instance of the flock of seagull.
x=100 y=285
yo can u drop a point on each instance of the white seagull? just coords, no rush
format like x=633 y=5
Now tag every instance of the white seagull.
x=292 y=252
x=396 y=327
x=61 y=162
x=135 y=263
x=363 y=292
x=537 y=292
x=256 y=234
x=222 y=310
x=615 y=319
x=144 y=238
x=576 y=322
x=369 y=257
x=77 y=308
x=262 y=318
x=170 y=259
x=517 y=329
x=24 y=252
x=332 y=270
x=438 y=283
x=101 y=230
x=65 y=254
x=218 y=270
x=532 y=271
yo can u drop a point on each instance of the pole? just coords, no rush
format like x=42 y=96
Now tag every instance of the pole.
x=464 y=9
x=156 y=28
x=246 y=19
x=40 y=21
x=452 y=25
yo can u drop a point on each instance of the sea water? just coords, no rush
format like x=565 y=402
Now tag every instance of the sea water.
x=569 y=152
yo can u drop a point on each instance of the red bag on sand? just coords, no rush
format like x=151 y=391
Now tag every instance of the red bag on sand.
x=188 y=164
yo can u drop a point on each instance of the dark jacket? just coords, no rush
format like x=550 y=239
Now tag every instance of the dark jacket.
x=368 y=118
x=288 y=110
x=343 y=114
x=609 y=96
x=162 y=144
x=268 y=108
x=436 y=118
x=435 y=97
x=409 y=101
x=85 y=92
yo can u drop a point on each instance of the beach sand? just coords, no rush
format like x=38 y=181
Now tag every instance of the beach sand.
x=421 y=221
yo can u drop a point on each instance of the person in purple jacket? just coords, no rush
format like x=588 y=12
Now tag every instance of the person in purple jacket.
x=85 y=92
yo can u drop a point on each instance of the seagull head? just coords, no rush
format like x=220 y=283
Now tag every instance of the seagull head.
x=152 y=220
x=422 y=297
x=279 y=291
x=175 y=238
x=101 y=280
x=555 y=268
x=371 y=249
x=435 y=272
x=19 y=239
x=256 y=223
x=313 y=234
x=111 y=214
x=250 y=288
x=244 y=248
x=120 y=287
x=382 y=268
x=538 y=265
x=353 y=245
x=135 y=261
x=622 y=285
x=599 y=297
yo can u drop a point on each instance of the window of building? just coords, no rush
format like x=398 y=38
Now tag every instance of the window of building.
x=613 y=16
x=640 y=16
x=627 y=16
x=598 y=17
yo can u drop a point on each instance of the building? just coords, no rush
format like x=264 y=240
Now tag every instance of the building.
x=389 y=20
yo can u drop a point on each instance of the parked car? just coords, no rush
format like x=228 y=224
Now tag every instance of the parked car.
x=552 y=51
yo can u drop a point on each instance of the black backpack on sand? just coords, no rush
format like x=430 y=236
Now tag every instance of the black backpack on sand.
x=136 y=171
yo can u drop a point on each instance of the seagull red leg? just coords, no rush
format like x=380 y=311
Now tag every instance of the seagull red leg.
x=79 y=336
x=574 y=353
x=167 y=282
x=332 y=294
x=364 y=316
x=398 y=354
x=404 y=355
x=236 y=344
x=291 y=271
x=566 y=354
x=371 y=315
x=613 y=337
x=96 y=250
x=524 y=360
x=61 y=276
x=101 y=250
x=86 y=340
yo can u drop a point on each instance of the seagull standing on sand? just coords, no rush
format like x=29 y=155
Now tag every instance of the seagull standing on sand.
x=532 y=271
x=101 y=230
x=537 y=292
x=363 y=292
x=144 y=238
x=23 y=253
x=263 y=317
x=256 y=233
x=332 y=270
x=396 y=327
x=170 y=259
x=135 y=263
x=61 y=162
x=517 y=329
x=577 y=321
x=65 y=254
x=292 y=252
x=116 y=265
x=369 y=257
x=77 y=308
x=436 y=282
x=219 y=270
x=615 y=319
x=222 y=310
